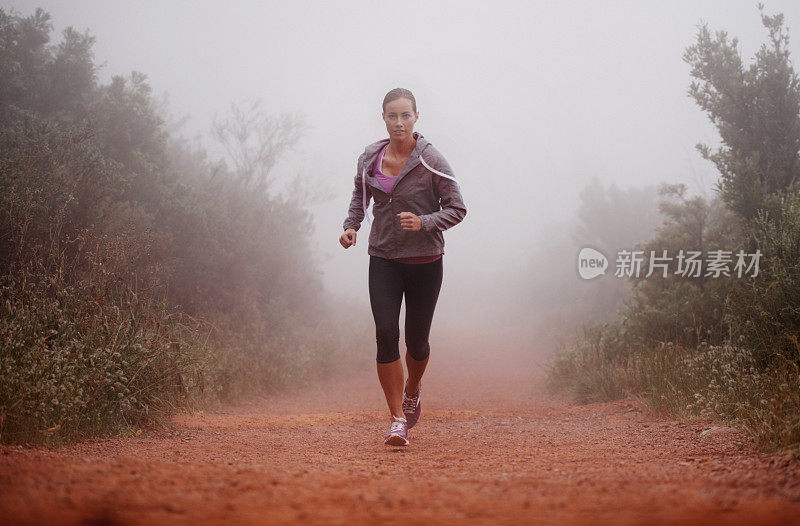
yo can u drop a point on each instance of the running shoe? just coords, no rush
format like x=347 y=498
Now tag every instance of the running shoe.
x=398 y=433
x=412 y=407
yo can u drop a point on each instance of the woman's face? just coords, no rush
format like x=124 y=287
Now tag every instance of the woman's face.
x=400 y=117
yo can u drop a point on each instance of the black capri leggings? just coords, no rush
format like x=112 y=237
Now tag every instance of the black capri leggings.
x=420 y=282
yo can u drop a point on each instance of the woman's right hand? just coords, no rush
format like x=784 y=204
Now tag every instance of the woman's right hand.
x=348 y=238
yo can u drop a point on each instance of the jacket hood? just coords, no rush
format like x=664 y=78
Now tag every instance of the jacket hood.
x=372 y=151
x=422 y=149
x=414 y=159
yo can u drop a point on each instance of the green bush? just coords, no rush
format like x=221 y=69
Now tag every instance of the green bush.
x=765 y=312
x=719 y=347
x=92 y=356
x=138 y=278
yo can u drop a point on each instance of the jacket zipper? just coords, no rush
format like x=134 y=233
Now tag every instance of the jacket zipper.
x=380 y=167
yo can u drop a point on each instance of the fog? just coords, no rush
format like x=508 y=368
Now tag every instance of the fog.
x=528 y=101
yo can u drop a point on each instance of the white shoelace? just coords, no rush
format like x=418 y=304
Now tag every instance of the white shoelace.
x=396 y=427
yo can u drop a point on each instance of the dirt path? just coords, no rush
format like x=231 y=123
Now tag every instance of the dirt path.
x=489 y=449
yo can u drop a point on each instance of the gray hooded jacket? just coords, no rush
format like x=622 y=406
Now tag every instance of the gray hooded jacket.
x=425 y=186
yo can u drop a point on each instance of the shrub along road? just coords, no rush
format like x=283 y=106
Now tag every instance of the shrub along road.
x=490 y=448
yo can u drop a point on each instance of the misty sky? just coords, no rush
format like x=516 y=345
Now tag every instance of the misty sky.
x=527 y=100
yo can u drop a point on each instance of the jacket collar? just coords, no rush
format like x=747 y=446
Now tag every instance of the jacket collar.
x=371 y=153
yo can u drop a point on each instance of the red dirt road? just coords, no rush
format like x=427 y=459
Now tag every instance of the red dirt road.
x=490 y=448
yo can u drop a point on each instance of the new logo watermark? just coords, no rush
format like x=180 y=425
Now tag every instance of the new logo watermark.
x=689 y=264
x=591 y=263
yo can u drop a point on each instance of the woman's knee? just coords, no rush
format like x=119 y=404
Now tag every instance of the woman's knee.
x=417 y=351
x=388 y=353
x=388 y=339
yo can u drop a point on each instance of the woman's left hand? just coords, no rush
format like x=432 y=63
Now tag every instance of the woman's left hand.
x=409 y=221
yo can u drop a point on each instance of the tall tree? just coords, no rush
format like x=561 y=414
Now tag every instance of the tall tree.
x=756 y=111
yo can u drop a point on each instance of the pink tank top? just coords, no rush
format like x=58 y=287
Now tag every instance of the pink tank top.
x=387 y=183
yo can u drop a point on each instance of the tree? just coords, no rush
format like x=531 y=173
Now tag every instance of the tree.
x=680 y=307
x=756 y=111
x=255 y=140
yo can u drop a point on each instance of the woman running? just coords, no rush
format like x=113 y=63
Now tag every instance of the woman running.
x=415 y=197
